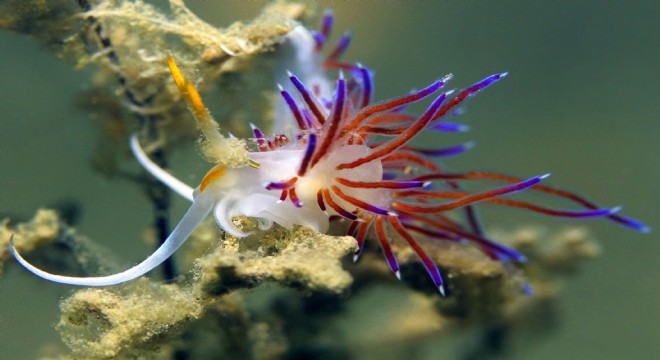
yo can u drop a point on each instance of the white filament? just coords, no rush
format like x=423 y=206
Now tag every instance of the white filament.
x=163 y=176
x=195 y=214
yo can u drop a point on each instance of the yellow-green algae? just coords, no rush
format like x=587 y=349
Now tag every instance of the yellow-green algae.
x=44 y=228
x=140 y=318
x=141 y=37
x=145 y=319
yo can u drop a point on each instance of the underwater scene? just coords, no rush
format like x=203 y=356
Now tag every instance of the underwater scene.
x=329 y=179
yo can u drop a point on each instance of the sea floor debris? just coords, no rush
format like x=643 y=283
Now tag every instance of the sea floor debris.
x=210 y=307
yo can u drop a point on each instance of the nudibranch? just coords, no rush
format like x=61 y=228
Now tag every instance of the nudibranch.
x=349 y=159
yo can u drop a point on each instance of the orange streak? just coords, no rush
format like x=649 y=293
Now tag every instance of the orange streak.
x=214 y=174
x=176 y=74
x=196 y=103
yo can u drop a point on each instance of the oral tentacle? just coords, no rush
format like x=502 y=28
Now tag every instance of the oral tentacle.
x=195 y=215
x=159 y=173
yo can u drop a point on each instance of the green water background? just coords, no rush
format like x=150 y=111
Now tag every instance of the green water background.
x=581 y=102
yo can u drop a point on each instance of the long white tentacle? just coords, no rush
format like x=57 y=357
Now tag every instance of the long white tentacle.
x=163 y=176
x=200 y=208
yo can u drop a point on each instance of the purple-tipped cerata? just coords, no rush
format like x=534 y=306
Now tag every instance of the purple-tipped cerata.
x=352 y=160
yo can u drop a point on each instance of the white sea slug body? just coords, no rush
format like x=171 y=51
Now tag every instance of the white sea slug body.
x=346 y=158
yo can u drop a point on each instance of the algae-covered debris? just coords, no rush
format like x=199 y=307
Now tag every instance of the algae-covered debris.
x=145 y=319
x=142 y=36
x=43 y=229
x=142 y=319
x=128 y=41
x=50 y=241
x=49 y=21
x=204 y=311
x=301 y=259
